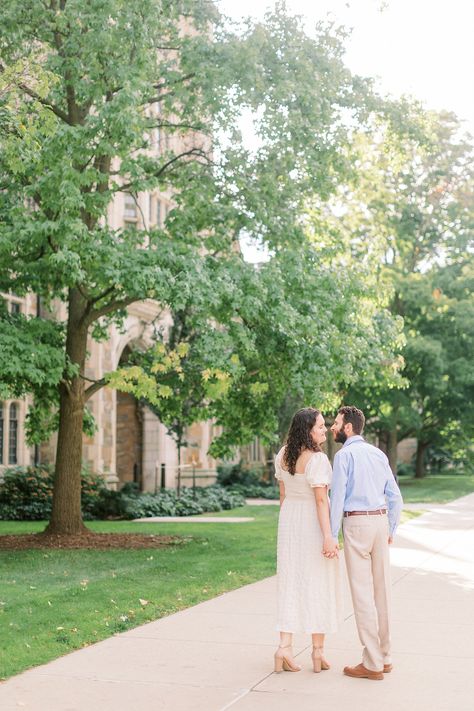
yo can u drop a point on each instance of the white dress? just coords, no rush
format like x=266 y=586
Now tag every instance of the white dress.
x=309 y=585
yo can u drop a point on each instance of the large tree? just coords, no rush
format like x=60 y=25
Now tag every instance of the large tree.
x=415 y=204
x=85 y=86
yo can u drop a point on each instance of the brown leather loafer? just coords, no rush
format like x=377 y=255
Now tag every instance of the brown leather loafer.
x=387 y=668
x=361 y=672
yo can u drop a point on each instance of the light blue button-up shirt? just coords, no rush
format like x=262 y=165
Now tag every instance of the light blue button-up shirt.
x=363 y=481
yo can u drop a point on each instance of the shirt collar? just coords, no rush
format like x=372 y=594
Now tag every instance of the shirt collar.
x=351 y=440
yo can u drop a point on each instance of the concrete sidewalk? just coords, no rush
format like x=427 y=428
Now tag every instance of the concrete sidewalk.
x=218 y=655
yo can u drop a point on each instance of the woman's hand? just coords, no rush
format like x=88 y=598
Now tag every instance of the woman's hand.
x=330 y=547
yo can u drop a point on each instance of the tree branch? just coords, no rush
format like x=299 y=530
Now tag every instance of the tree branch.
x=163 y=85
x=192 y=151
x=115 y=305
x=105 y=293
x=186 y=126
x=95 y=387
x=44 y=102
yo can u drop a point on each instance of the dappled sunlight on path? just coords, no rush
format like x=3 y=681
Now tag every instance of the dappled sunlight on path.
x=218 y=655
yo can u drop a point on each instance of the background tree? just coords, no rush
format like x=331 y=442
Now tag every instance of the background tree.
x=246 y=341
x=416 y=203
x=85 y=85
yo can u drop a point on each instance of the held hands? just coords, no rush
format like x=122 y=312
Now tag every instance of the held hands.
x=390 y=540
x=330 y=547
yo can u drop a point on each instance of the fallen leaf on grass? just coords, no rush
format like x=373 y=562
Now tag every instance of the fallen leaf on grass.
x=143 y=602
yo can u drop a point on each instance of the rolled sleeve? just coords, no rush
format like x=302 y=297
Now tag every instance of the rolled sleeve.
x=394 y=503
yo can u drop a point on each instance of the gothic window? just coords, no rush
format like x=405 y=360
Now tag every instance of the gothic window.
x=255 y=450
x=13 y=435
x=151 y=205
x=130 y=211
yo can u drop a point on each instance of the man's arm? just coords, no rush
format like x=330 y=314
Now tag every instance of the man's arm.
x=338 y=492
x=394 y=501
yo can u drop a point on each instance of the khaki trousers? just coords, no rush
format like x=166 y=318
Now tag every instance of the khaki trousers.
x=366 y=553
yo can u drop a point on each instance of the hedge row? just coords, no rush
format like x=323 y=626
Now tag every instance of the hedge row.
x=249 y=482
x=26 y=495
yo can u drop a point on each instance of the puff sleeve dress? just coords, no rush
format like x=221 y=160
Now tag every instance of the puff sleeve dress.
x=309 y=585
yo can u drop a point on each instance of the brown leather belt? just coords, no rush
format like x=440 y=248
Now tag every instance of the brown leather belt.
x=377 y=512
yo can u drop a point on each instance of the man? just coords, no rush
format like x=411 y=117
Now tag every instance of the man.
x=362 y=487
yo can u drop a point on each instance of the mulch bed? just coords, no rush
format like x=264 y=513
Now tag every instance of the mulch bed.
x=98 y=541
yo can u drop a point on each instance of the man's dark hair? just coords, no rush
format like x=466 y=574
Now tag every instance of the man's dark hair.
x=354 y=416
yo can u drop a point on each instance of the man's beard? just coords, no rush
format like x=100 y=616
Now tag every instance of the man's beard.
x=340 y=436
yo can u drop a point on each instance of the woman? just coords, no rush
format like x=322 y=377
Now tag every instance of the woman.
x=309 y=596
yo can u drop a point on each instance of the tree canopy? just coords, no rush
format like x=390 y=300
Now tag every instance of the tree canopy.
x=101 y=99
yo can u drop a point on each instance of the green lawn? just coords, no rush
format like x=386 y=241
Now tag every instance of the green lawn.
x=54 y=601
x=438 y=489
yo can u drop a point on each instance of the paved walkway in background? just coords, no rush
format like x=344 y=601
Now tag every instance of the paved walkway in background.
x=194 y=519
x=218 y=655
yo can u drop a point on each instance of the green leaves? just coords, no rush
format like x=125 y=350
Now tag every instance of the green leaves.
x=414 y=202
x=107 y=99
x=31 y=355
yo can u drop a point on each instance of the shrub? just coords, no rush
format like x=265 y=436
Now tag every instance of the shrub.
x=438 y=459
x=256 y=491
x=26 y=493
x=167 y=502
x=405 y=469
x=232 y=474
x=92 y=489
x=248 y=483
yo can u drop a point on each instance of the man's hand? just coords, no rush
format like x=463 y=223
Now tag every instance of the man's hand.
x=330 y=547
x=390 y=540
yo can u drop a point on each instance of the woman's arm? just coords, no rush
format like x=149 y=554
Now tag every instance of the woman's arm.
x=282 y=492
x=330 y=545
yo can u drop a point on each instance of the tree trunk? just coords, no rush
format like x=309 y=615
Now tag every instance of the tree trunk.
x=392 y=441
x=330 y=446
x=66 y=515
x=420 y=459
x=382 y=441
x=179 y=445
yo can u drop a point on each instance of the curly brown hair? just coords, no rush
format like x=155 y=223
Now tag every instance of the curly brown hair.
x=299 y=437
x=354 y=416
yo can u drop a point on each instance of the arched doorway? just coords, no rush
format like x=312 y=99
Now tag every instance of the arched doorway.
x=129 y=434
